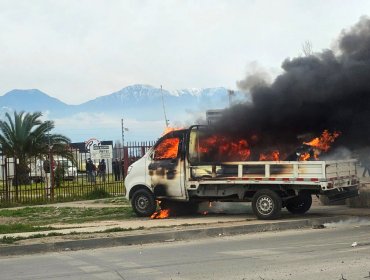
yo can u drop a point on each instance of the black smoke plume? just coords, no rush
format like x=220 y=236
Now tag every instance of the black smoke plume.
x=328 y=90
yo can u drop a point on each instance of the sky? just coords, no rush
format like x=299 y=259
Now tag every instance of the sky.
x=79 y=50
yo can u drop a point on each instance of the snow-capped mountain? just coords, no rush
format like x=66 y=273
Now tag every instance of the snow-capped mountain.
x=140 y=105
x=31 y=100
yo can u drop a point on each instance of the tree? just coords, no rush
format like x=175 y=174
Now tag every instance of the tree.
x=307 y=48
x=25 y=136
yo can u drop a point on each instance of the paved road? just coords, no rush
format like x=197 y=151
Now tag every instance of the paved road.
x=300 y=254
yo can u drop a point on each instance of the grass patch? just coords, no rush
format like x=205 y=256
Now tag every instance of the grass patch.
x=11 y=228
x=119 y=229
x=30 y=219
x=97 y=194
x=39 y=216
x=9 y=239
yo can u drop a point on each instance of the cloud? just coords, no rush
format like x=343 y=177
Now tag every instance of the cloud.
x=77 y=50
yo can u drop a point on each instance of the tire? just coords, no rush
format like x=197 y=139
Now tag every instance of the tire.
x=299 y=204
x=180 y=208
x=143 y=203
x=266 y=204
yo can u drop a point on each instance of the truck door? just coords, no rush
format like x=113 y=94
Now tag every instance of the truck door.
x=166 y=168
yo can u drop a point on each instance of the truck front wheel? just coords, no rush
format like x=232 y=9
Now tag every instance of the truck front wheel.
x=299 y=204
x=266 y=204
x=143 y=203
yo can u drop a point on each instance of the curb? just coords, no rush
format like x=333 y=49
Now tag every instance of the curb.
x=168 y=236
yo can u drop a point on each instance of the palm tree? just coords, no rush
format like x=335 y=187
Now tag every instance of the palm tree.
x=25 y=136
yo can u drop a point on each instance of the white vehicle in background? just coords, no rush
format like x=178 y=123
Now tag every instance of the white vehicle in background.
x=70 y=170
x=37 y=173
x=7 y=168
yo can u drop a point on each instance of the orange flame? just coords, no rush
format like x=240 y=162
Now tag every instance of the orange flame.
x=162 y=214
x=167 y=149
x=320 y=144
x=223 y=148
x=323 y=142
x=273 y=156
x=304 y=156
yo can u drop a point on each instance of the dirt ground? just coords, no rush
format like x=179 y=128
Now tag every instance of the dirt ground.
x=8 y=220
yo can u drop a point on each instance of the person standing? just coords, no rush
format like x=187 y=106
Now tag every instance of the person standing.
x=102 y=169
x=46 y=167
x=90 y=170
x=123 y=168
x=116 y=169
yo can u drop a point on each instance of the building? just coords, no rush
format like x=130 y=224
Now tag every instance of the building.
x=213 y=116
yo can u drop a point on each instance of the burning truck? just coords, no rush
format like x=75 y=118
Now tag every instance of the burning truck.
x=274 y=150
x=189 y=166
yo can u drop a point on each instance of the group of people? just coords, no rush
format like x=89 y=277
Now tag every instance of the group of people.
x=100 y=171
x=93 y=171
x=118 y=169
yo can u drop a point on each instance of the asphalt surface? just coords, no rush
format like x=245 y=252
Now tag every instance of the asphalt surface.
x=327 y=253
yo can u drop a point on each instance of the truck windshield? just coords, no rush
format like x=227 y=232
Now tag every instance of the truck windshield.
x=167 y=149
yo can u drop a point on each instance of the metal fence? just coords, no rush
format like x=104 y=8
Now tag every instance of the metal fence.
x=66 y=179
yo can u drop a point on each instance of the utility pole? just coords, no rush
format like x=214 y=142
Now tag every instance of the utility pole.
x=123 y=129
x=164 y=109
x=231 y=94
x=50 y=191
x=123 y=133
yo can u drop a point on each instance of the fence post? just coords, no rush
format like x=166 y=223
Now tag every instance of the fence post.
x=142 y=150
x=16 y=178
x=125 y=161
x=7 y=197
x=51 y=177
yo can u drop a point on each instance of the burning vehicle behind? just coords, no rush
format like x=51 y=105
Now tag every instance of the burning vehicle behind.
x=189 y=166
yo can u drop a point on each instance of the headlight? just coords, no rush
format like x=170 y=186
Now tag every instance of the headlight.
x=129 y=169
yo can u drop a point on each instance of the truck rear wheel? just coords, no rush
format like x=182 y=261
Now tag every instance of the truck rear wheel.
x=143 y=203
x=266 y=204
x=299 y=204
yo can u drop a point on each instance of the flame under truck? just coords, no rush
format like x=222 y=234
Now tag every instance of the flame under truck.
x=177 y=172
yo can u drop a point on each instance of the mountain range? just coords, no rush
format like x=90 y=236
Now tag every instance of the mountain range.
x=141 y=107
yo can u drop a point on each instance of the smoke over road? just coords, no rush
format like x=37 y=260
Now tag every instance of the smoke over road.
x=327 y=90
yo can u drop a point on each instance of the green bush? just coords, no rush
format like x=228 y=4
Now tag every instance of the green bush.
x=98 y=193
